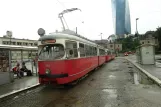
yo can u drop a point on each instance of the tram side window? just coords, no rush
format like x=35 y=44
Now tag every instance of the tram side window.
x=95 y=51
x=82 y=50
x=109 y=53
x=90 y=51
x=87 y=51
x=71 y=49
x=102 y=52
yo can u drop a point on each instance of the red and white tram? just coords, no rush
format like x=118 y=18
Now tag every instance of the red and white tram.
x=64 y=57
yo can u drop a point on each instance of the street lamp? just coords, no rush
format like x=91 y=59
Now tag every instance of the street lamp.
x=137 y=25
x=101 y=36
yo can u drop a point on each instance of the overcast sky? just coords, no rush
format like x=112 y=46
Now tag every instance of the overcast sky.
x=24 y=17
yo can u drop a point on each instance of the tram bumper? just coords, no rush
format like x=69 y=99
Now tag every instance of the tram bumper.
x=53 y=75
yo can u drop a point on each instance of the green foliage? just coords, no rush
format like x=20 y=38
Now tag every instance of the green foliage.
x=129 y=44
x=157 y=35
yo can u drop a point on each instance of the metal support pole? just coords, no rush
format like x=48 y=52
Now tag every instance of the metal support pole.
x=62 y=21
x=36 y=68
x=136 y=27
x=76 y=30
x=10 y=65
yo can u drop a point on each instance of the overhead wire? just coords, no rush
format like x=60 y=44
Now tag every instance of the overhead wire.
x=63 y=5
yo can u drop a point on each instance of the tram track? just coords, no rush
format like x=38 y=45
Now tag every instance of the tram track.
x=102 y=87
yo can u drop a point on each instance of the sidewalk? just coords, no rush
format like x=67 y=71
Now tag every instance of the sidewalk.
x=18 y=85
x=154 y=71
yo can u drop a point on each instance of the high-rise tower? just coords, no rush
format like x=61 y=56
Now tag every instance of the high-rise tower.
x=121 y=17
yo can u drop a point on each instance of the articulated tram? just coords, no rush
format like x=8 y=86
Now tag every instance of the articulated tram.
x=65 y=57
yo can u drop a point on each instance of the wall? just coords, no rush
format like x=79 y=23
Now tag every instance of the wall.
x=151 y=41
x=20 y=42
x=117 y=46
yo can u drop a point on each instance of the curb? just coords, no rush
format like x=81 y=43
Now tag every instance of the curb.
x=18 y=91
x=155 y=79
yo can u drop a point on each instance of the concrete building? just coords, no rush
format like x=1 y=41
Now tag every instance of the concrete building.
x=102 y=42
x=15 y=41
x=112 y=38
x=149 y=39
x=121 y=17
x=114 y=47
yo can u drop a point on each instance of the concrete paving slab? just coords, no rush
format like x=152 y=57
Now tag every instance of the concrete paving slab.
x=18 y=85
x=152 y=71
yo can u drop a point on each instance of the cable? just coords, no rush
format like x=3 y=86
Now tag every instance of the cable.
x=61 y=4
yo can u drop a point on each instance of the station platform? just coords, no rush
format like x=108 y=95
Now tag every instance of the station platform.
x=154 y=70
x=18 y=85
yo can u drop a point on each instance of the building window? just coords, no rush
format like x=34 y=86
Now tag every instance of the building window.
x=142 y=42
x=35 y=44
x=30 y=44
x=118 y=45
x=111 y=46
x=13 y=43
x=4 y=42
x=148 y=41
x=18 y=43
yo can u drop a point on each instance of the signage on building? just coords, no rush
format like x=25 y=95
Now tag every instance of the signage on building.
x=9 y=33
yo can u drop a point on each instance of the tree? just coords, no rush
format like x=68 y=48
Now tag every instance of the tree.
x=157 y=35
x=128 y=44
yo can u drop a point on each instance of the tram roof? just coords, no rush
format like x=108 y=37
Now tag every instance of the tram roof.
x=18 y=47
x=67 y=36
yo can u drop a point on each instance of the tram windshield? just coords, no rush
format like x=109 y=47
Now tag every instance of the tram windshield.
x=52 y=51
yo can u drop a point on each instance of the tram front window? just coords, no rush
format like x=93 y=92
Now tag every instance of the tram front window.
x=52 y=51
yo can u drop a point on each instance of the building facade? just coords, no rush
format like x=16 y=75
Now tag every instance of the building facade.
x=112 y=38
x=19 y=42
x=114 y=47
x=121 y=17
x=102 y=43
x=149 y=39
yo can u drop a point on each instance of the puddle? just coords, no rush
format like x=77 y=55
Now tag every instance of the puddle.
x=15 y=97
x=136 y=79
x=140 y=78
x=63 y=102
x=112 y=76
x=158 y=64
x=114 y=70
x=111 y=92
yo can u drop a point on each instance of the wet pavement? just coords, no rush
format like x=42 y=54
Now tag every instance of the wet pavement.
x=155 y=70
x=112 y=85
x=18 y=84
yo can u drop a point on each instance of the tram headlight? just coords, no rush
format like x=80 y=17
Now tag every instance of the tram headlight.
x=47 y=71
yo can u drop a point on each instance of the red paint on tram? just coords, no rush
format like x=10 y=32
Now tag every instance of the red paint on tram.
x=75 y=68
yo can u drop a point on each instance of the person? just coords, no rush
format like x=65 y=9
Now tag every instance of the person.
x=24 y=69
x=17 y=71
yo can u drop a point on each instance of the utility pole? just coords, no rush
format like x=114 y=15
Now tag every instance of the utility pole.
x=137 y=29
x=76 y=30
x=101 y=37
x=137 y=25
